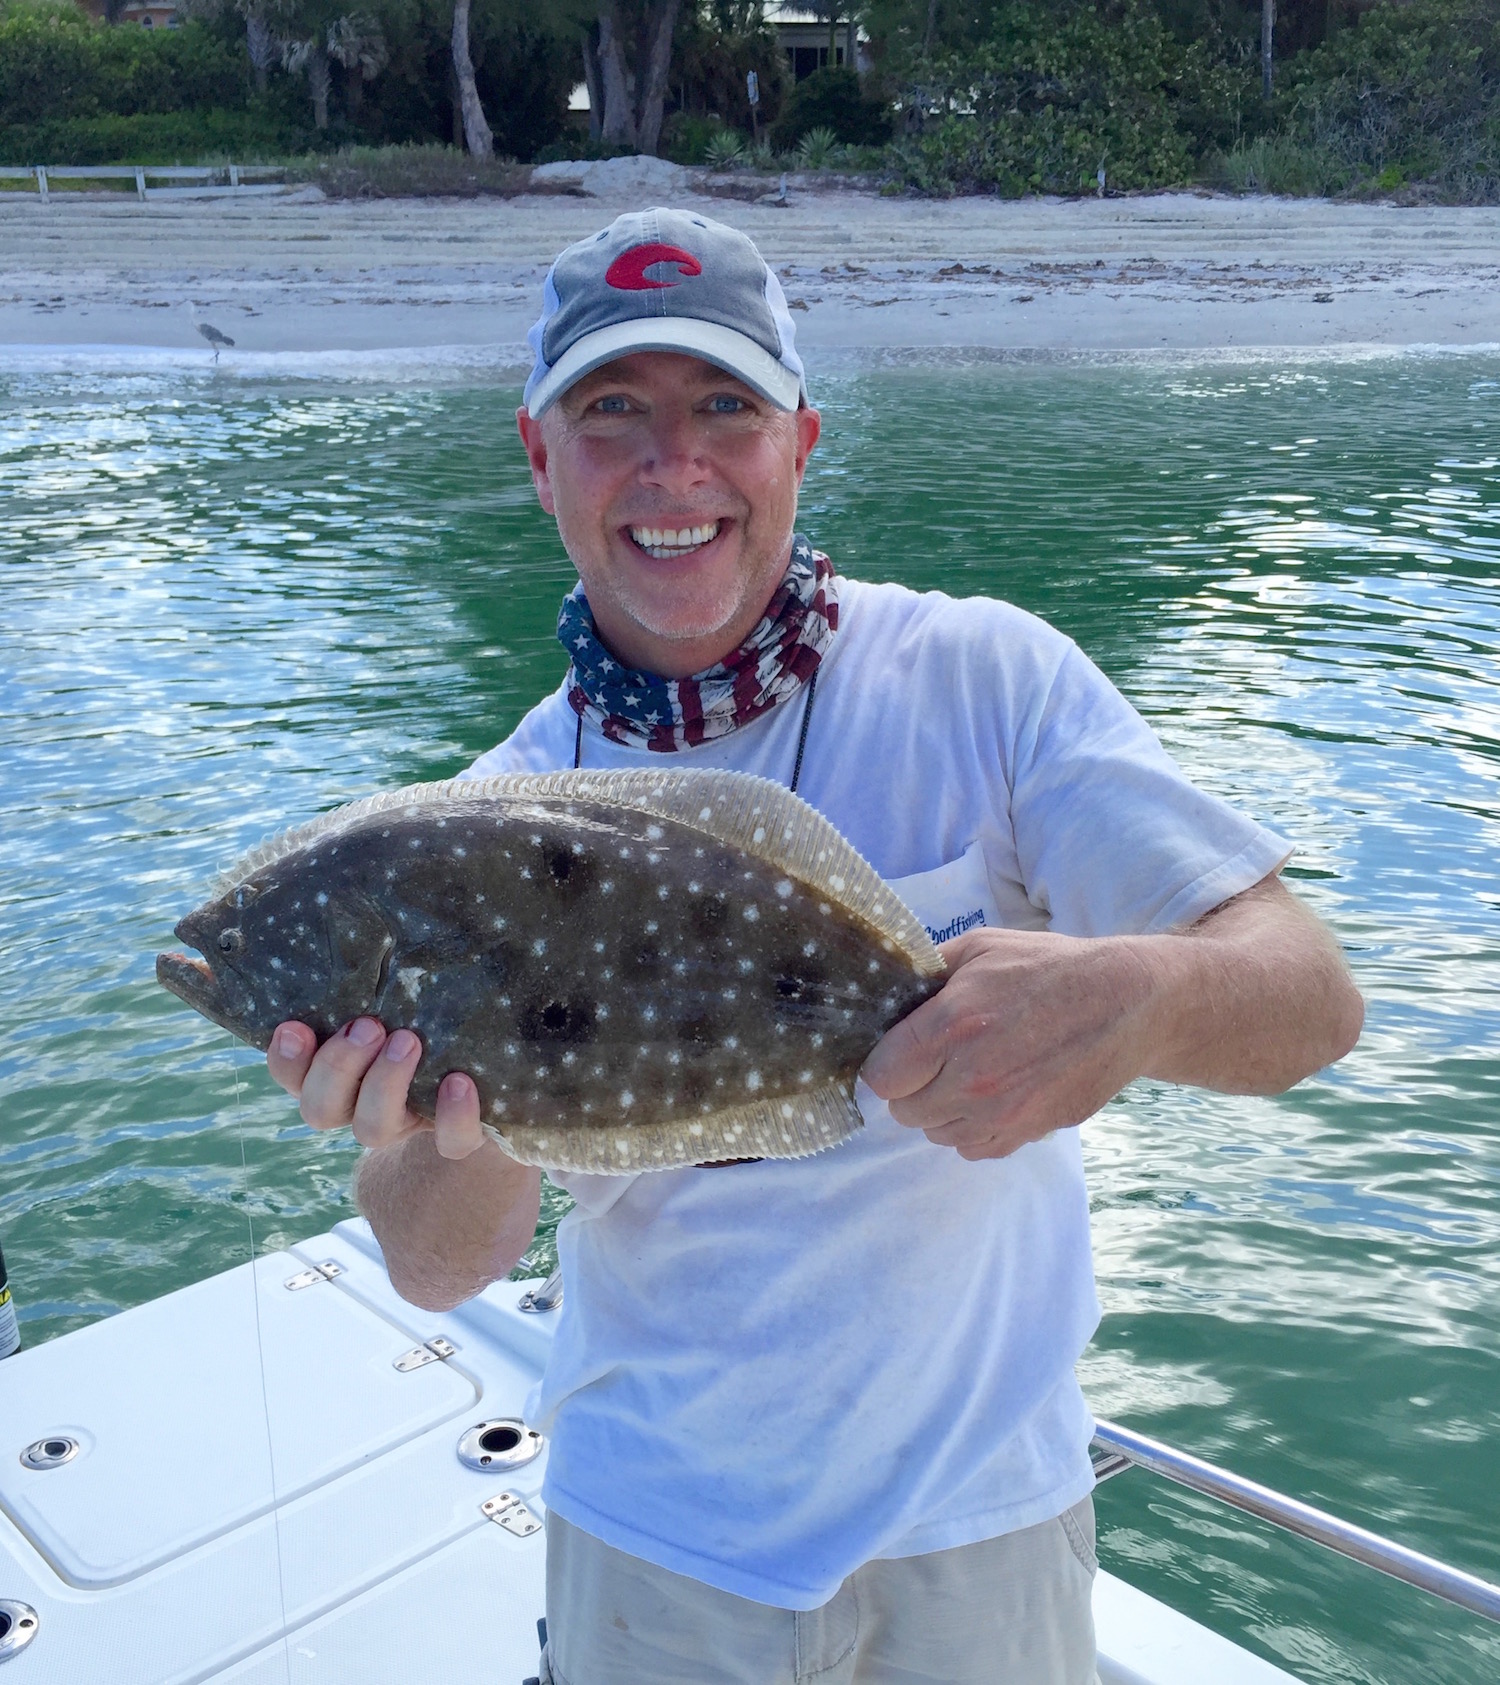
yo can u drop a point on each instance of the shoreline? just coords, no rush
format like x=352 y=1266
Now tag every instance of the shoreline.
x=868 y=278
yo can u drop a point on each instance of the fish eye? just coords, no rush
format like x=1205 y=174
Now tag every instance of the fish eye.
x=230 y=941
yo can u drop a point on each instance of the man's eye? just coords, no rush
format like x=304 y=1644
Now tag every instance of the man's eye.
x=726 y=404
x=615 y=404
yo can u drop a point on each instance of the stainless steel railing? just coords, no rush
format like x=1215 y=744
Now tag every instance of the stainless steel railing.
x=1124 y=1449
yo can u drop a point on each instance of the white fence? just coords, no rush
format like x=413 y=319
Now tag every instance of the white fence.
x=203 y=180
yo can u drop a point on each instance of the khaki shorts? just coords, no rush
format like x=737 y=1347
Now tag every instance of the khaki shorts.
x=1009 y=1611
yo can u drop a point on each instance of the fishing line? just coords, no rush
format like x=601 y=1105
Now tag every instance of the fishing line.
x=265 y=1397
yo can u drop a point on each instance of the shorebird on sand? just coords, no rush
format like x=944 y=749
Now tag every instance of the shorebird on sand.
x=212 y=334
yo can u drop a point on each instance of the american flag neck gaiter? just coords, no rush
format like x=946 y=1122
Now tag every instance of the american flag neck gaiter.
x=772 y=664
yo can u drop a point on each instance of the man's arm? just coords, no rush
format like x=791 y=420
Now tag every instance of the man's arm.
x=451 y=1211
x=1035 y=1032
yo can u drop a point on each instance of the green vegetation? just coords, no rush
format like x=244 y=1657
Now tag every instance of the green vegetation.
x=952 y=96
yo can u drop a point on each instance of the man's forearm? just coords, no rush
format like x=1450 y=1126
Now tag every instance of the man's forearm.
x=1251 y=999
x=448 y=1227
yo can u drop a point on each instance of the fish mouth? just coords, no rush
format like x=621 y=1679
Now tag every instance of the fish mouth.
x=191 y=980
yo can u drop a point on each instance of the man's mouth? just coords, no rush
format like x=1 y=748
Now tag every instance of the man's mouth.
x=665 y=544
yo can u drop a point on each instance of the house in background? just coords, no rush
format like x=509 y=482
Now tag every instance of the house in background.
x=804 y=39
x=149 y=14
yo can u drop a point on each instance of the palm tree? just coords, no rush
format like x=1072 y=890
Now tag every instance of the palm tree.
x=358 y=44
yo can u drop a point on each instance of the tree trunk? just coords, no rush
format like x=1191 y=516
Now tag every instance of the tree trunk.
x=593 y=81
x=617 y=127
x=319 y=79
x=833 y=34
x=652 y=77
x=927 y=34
x=354 y=90
x=261 y=45
x=477 y=136
x=1267 y=34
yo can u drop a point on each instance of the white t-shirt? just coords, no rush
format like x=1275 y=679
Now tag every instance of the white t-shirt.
x=767 y=1374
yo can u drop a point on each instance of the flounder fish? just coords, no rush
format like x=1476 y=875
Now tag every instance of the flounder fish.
x=638 y=969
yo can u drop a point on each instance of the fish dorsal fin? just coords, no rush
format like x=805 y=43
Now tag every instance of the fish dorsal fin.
x=734 y=808
x=746 y=812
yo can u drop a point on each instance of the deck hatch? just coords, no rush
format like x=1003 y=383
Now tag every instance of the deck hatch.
x=165 y=1403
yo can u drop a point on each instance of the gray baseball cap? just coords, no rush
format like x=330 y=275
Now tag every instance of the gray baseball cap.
x=664 y=280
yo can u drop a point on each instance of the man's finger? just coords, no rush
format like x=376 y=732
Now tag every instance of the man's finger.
x=290 y=1053
x=456 y=1131
x=909 y=1055
x=331 y=1086
x=380 y=1115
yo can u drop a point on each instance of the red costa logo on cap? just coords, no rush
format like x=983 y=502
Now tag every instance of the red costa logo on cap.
x=628 y=271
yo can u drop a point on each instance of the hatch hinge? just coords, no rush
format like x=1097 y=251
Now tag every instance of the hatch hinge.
x=512 y=1514
x=326 y=1271
x=435 y=1350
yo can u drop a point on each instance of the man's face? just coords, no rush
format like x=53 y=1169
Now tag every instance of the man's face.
x=675 y=491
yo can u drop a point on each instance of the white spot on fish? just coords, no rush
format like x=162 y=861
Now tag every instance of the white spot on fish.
x=695 y=1129
x=410 y=978
x=322 y=899
x=622 y=1146
x=626 y=1097
x=705 y=813
x=648 y=1014
x=662 y=891
x=752 y=912
x=786 y=1108
x=674 y=1057
x=804 y=1076
x=823 y=907
x=654 y=833
x=539 y=947
x=497 y=924
x=606 y=887
x=603 y=1012
x=758 y=834
x=784 y=888
x=652 y=928
x=275 y=963
x=752 y=1080
x=731 y=994
x=731 y=1042
x=817 y=1041
x=874 y=965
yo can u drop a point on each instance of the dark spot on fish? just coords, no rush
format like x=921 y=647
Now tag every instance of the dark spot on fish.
x=558 y=1021
x=790 y=988
x=702 y=1029
x=641 y=959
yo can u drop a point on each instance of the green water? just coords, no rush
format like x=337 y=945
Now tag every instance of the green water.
x=228 y=605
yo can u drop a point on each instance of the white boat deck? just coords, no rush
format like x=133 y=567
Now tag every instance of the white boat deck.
x=172 y=1548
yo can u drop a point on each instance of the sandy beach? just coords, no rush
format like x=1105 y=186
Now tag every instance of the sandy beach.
x=870 y=277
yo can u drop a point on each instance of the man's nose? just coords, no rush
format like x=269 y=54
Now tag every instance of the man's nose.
x=676 y=458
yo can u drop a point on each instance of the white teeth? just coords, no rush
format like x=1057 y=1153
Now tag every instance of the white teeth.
x=668 y=541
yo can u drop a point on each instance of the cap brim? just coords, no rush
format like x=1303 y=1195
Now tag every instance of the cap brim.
x=724 y=347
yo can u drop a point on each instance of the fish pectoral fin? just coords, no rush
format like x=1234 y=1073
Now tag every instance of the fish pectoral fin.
x=793 y=1126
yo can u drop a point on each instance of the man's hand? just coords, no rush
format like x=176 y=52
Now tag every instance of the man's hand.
x=358 y=1080
x=451 y=1211
x=1034 y=1032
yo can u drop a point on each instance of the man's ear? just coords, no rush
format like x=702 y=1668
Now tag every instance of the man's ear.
x=809 y=425
x=530 y=429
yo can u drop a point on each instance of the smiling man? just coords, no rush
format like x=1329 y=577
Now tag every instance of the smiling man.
x=817 y=1419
